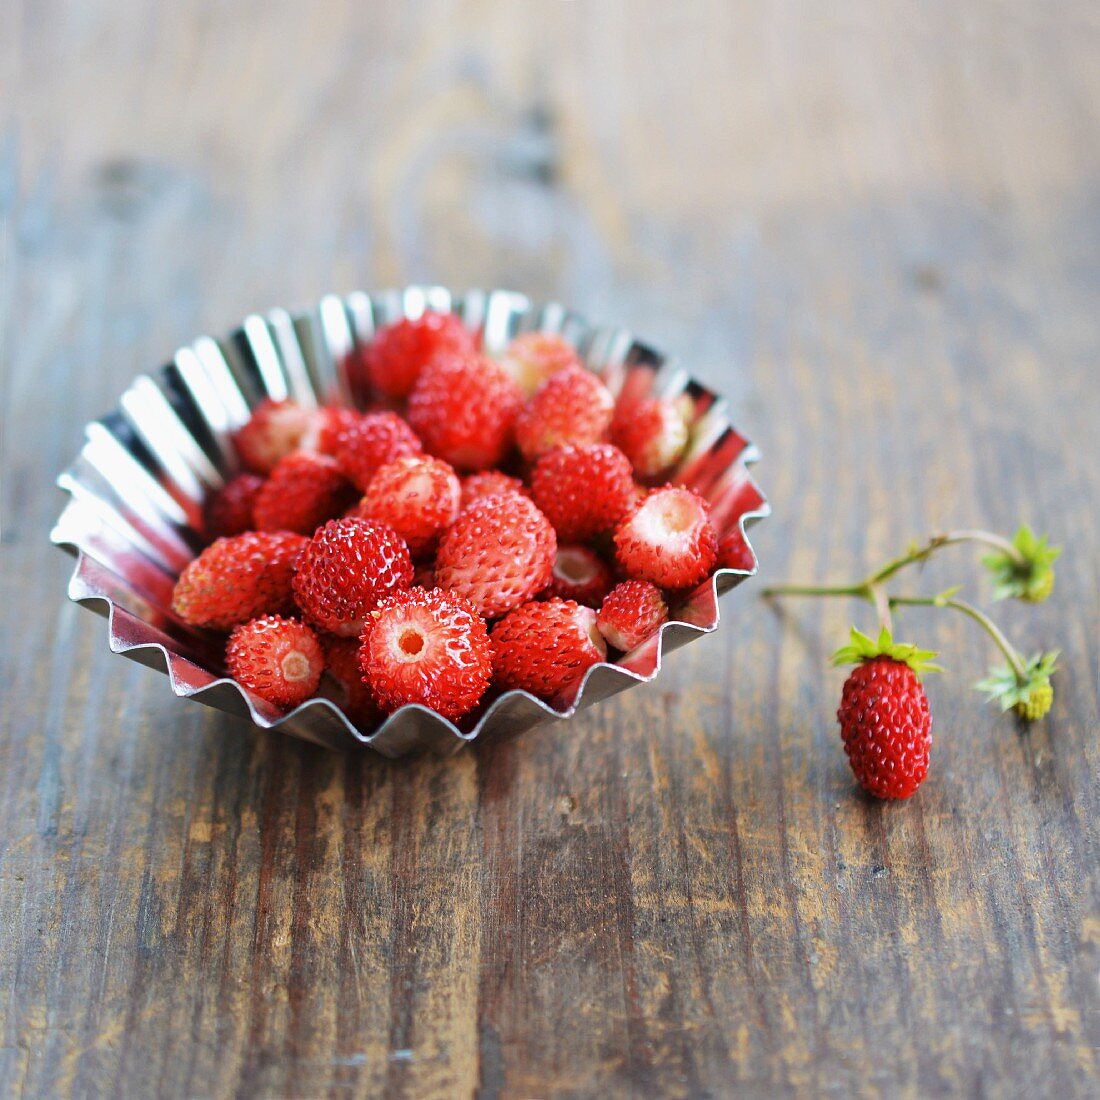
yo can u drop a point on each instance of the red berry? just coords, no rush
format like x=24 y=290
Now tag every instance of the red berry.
x=573 y=406
x=734 y=552
x=342 y=664
x=533 y=357
x=498 y=553
x=372 y=441
x=668 y=539
x=886 y=726
x=278 y=659
x=418 y=497
x=464 y=408
x=228 y=510
x=327 y=426
x=236 y=579
x=652 y=433
x=583 y=490
x=580 y=574
x=345 y=569
x=275 y=429
x=489 y=483
x=545 y=648
x=304 y=490
x=429 y=648
x=632 y=612
x=393 y=360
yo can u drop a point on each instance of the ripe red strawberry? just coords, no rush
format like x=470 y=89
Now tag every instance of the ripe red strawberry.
x=393 y=360
x=275 y=429
x=228 y=511
x=489 y=483
x=668 y=539
x=304 y=490
x=652 y=433
x=533 y=357
x=278 y=659
x=583 y=489
x=425 y=647
x=327 y=426
x=464 y=408
x=580 y=574
x=345 y=569
x=632 y=612
x=236 y=579
x=734 y=552
x=572 y=406
x=372 y=441
x=355 y=698
x=545 y=648
x=498 y=553
x=418 y=497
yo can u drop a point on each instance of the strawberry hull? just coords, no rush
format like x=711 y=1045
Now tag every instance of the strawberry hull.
x=139 y=485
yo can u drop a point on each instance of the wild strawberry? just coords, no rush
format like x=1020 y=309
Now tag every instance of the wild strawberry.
x=668 y=539
x=275 y=429
x=278 y=659
x=583 y=489
x=345 y=569
x=489 y=483
x=327 y=426
x=228 y=510
x=1026 y=688
x=393 y=360
x=532 y=357
x=370 y=442
x=342 y=663
x=652 y=433
x=632 y=613
x=884 y=717
x=572 y=406
x=304 y=490
x=236 y=579
x=464 y=408
x=734 y=552
x=498 y=553
x=580 y=574
x=545 y=648
x=429 y=648
x=418 y=497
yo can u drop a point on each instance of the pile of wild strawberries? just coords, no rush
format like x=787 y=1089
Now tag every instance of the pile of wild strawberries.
x=379 y=546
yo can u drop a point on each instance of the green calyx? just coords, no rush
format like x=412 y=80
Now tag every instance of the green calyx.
x=1029 y=573
x=1032 y=696
x=862 y=648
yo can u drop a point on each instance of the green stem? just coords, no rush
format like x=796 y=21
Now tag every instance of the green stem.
x=983 y=620
x=816 y=590
x=881 y=601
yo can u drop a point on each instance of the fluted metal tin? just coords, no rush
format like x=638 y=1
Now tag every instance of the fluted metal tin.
x=137 y=487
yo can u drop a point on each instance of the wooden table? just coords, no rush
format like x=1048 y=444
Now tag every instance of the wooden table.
x=876 y=229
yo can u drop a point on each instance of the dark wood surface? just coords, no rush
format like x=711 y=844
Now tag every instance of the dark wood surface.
x=877 y=230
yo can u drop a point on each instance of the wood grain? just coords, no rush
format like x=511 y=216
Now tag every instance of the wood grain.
x=877 y=231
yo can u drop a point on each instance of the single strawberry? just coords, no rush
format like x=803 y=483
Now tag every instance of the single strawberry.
x=546 y=647
x=668 y=539
x=464 y=408
x=393 y=360
x=274 y=430
x=345 y=569
x=653 y=433
x=1028 y=692
x=304 y=490
x=418 y=497
x=228 y=510
x=489 y=483
x=884 y=717
x=572 y=406
x=632 y=612
x=238 y=578
x=498 y=553
x=278 y=659
x=355 y=698
x=533 y=357
x=430 y=648
x=327 y=426
x=1024 y=569
x=583 y=489
x=366 y=445
x=580 y=574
